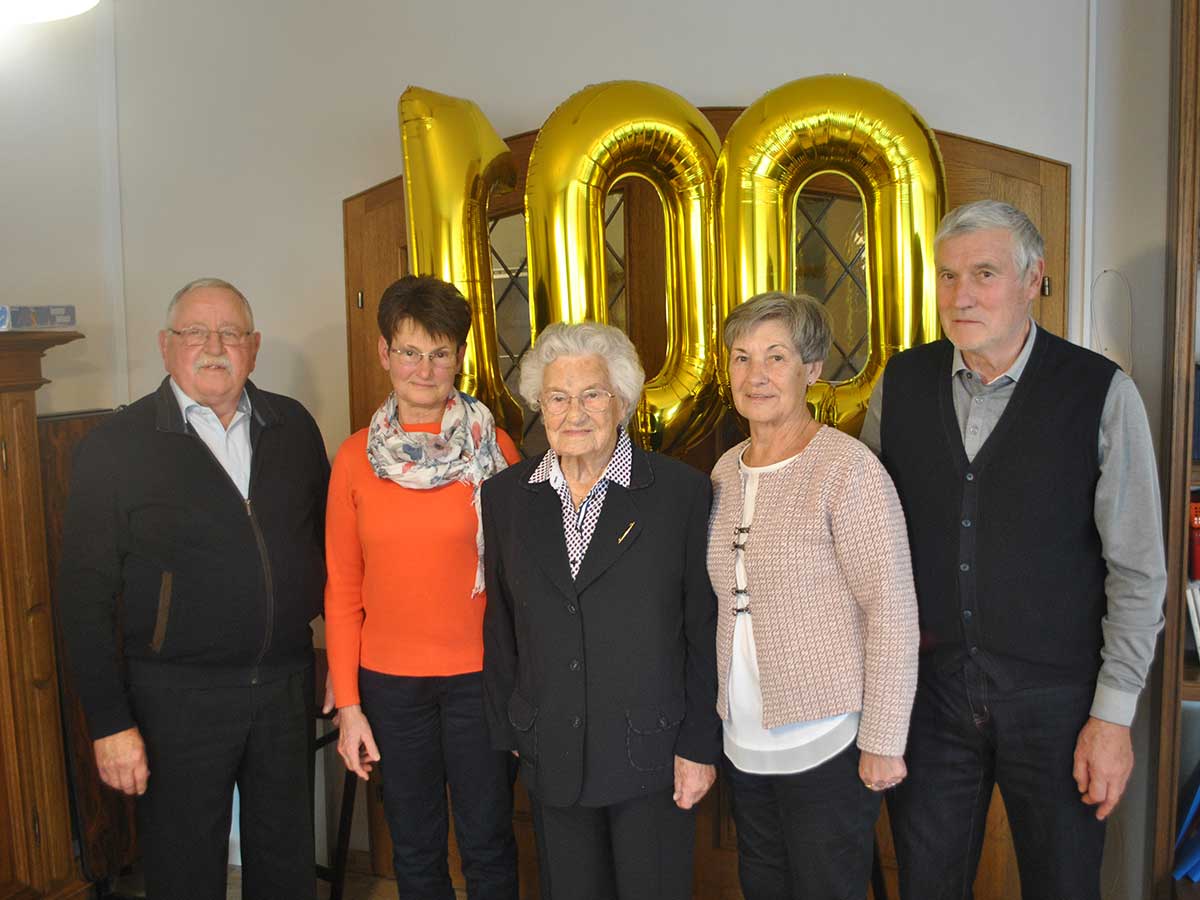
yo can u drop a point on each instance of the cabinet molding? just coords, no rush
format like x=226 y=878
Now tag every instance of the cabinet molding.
x=36 y=856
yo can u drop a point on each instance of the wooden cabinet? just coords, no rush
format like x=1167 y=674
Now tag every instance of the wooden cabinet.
x=377 y=254
x=36 y=858
x=1179 y=682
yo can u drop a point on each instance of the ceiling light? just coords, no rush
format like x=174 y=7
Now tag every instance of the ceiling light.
x=25 y=12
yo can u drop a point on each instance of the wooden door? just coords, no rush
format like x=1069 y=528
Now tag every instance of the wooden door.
x=976 y=170
x=376 y=254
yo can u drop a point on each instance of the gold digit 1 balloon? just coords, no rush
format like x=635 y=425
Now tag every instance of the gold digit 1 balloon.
x=452 y=159
x=835 y=123
x=600 y=135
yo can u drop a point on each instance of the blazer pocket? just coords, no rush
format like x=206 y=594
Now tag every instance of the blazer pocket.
x=163 y=616
x=651 y=732
x=522 y=716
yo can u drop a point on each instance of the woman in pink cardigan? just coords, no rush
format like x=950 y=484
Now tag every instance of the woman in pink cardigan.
x=817 y=618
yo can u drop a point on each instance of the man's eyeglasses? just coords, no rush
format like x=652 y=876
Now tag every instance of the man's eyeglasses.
x=408 y=358
x=556 y=403
x=197 y=335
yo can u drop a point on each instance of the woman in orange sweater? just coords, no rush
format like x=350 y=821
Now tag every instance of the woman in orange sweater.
x=404 y=602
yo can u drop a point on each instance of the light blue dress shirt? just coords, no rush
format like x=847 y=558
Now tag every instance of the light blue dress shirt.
x=230 y=446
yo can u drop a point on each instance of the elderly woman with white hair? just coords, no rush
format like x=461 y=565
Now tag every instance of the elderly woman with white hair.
x=817 y=630
x=599 y=669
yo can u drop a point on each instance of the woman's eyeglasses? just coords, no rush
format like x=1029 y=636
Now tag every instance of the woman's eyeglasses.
x=408 y=358
x=556 y=403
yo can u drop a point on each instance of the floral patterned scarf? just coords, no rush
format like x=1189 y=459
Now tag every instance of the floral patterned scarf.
x=465 y=450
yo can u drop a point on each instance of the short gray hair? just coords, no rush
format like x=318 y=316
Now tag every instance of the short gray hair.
x=209 y=283
x=804 y=317
x=983 y=215
x=585 y=339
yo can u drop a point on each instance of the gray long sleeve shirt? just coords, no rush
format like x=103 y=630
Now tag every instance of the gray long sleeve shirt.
x=1127 y=512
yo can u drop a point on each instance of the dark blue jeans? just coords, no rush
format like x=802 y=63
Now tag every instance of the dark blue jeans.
x=968 y=736
x=430 y=731
x=806 y=836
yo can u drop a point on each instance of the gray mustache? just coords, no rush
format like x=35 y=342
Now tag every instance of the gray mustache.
x=223 y=361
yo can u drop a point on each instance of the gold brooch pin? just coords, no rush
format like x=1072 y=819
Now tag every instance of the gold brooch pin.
x=625 y=534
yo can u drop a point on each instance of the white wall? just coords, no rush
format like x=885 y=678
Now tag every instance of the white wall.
x=51 y=216
x=1129 y=230
x=243 y=125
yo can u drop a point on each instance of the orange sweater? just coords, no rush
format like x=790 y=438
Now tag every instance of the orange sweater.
x=401 y=567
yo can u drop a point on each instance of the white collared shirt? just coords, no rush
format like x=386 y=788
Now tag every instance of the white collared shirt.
x=230 y=446
x=580 y=524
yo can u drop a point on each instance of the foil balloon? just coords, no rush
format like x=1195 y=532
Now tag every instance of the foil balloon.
x=597 y=137
x=452 y=160
x=859 y=129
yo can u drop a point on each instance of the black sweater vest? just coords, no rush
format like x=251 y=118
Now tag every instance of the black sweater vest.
x=1005 y=551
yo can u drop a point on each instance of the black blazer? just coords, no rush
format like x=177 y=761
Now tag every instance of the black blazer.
x=600 y=682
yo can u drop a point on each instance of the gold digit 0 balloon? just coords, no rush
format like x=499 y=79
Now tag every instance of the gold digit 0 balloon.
x=600 y=135
x=452 y=159
x=836 y=123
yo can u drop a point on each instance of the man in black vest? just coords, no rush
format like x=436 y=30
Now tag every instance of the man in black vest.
x=1027 y=475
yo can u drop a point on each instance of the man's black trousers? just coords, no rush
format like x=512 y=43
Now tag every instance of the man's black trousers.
x=200 y=742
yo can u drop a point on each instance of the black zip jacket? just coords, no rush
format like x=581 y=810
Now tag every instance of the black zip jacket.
x=169 y=576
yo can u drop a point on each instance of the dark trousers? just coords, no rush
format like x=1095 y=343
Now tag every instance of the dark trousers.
x=807 y=836
x=639 y=849
x=200 y=742
x=431 y=731
x=967 y=736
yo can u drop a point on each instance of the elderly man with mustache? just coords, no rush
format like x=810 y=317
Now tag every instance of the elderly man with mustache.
x=202 y=505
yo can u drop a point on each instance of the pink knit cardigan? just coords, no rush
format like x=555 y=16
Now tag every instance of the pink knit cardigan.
x=831 y=589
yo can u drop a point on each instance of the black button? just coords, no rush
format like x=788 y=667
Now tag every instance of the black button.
x=572 y=608
x=966 y=523
x=574 y=667
x=973 y=650
x=576 y=722
x=970 y=476
x=663 y=721
x=964 y=567
x=967 y=614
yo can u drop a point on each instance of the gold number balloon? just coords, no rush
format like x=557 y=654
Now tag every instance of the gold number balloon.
x=452 y=159
x=729 y=223
x=597 y=137
x=859 y=129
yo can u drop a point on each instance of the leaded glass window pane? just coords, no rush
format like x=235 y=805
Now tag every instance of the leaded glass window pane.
x=510 y=285
x=831 y=266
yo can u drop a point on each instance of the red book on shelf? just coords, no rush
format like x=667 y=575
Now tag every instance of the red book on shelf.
x=1194 y=568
